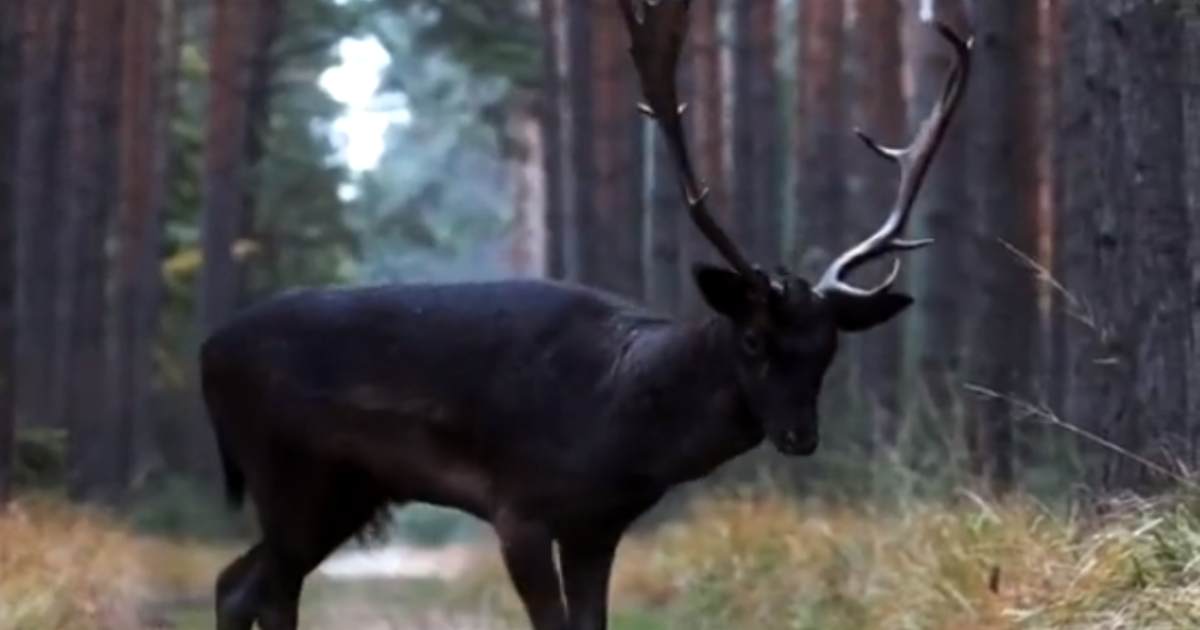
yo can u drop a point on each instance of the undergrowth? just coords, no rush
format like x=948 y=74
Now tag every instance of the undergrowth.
x=68 y=568
x=760 y=562
x=737 y=560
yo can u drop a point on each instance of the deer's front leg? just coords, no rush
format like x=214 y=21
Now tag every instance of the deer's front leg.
x=528 y=550
x=587 y=560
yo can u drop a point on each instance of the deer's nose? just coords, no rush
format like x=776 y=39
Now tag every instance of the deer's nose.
x=795 y=443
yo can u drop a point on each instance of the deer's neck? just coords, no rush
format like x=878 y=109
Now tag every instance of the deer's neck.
x=684 y=381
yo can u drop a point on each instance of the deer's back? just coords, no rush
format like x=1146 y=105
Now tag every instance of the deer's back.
x=485 y=357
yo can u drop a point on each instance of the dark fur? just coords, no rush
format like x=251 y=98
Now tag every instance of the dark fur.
x=556 y=413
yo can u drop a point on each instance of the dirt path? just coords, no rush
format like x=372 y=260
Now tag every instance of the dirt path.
x=389 y=588
x=446 y=563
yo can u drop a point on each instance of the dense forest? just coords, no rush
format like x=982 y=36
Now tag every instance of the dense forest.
x=165 y=163
x=1019 y=449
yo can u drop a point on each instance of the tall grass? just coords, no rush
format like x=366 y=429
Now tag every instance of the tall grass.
x=762 y=562
x=67 y=568
x=749 y=559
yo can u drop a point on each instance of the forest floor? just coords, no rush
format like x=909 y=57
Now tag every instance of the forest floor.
x=738 y=562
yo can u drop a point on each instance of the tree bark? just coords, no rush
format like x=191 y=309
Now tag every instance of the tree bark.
x=668 y=227
x=264 y=65
x=882 y=112
x=226 y=172
x=524 y=134
x=551 y=117
x=93 y=472
x=820 y=143
x=1150 y=53
x=1096 y=244
x=10 y=32
x=582 y=156
x=611 y=178
x=1004 y=179
x=1054 y=28
x=757 y=155
x=37 y=204
x=150 y=56
x=706 y=120
x=1191 y=120
x=241 y=67
x=1131 y=374
x=943 y=212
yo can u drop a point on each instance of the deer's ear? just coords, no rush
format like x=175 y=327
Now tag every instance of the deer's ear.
x=856 y=314
x=725 y=291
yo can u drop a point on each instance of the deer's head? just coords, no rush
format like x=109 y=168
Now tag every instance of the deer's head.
x=786 y=328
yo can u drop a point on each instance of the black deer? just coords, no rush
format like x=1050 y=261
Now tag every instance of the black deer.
x=556 y=413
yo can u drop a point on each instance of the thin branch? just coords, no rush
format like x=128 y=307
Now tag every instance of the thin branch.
x=1077 y=308
x=1049 y=417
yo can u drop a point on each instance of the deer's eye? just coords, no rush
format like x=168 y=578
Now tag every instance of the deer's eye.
x=752 y=344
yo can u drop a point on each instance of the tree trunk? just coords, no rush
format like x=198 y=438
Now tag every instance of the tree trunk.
x=706 y=120
x=667 y=223
x=942 y=213
x=268 y=26
x=153 y=290
x=10 y=20
x=1076 y=193
x=93 y=472
x=1191 y=120
x=821 y=127
x=37 y=203
x=226 y=172
x=757 y=155
x=240 y=73
x=150 y=53
x=551 y=113
x=580 y=95
x=1096 y=244
x=1004 y=180
x=1123 y=118
x=1054 y=29
x=524 y=135
x=1150 y=54
x=610 y=220
x=881 y=111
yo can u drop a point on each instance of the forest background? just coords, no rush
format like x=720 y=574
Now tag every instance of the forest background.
x=165 y=163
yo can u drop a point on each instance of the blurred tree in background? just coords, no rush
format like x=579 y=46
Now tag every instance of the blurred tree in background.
x=9 y=65
x=164 y=163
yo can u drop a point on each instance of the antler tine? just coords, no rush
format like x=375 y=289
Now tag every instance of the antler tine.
x=914 y=161
x=658 y=32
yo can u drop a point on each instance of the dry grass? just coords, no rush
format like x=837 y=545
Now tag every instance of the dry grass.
x=764 y=563
x=72 y=569
x=749 y=561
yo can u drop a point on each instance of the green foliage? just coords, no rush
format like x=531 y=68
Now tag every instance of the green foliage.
x=39 y=459
x=180 y=507
x=438 y=204
x=430 y=526
x=299 y=234
x=498 y=39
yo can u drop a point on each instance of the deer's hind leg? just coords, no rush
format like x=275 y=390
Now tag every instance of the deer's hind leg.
x=305 y=513
x=236 y=596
